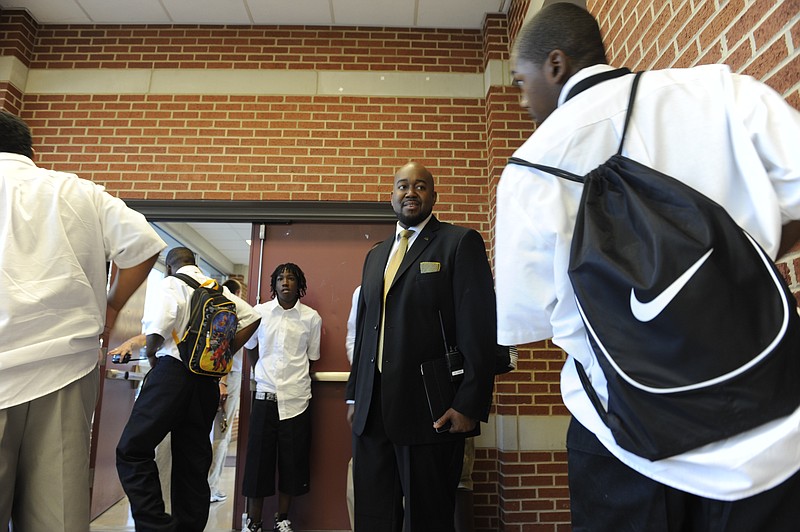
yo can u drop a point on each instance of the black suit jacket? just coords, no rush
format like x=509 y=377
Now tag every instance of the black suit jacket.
x=462 y=291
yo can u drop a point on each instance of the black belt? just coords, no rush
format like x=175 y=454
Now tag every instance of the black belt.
x=267 y=396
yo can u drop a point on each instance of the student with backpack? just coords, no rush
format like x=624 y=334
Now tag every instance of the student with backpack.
x=735 y=141
x=180 y=394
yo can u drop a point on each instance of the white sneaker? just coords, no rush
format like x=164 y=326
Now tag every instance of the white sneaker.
x=218 y=496
x=283 y=526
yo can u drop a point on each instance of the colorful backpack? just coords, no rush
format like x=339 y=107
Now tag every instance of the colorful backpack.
x=206 y=345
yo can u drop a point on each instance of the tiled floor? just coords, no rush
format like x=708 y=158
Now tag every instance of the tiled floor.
x=118 y=517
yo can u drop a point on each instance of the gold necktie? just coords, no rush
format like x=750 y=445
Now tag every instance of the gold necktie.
x=388 y=277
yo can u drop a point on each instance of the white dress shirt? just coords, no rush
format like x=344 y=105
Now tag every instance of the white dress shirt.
x=728 y=136
x=415 y=231
x=287 y=340
x=350 y=337
x=56 y=233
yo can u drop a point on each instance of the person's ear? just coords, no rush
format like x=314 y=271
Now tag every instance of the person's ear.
x=558 y=67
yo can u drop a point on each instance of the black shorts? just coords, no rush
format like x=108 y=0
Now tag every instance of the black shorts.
x=287 y=443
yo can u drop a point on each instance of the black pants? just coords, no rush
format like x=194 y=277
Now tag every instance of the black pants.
x=403 y=487
x=172 y=400
x=608 y=496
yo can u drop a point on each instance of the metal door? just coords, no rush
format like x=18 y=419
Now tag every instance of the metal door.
x=331 y=256
x=116 y=394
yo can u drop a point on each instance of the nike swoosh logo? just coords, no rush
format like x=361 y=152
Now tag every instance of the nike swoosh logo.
x=645 y=312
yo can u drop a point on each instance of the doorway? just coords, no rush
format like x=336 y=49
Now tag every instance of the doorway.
x=331 y=256
x=291 y=228
x=222 y=251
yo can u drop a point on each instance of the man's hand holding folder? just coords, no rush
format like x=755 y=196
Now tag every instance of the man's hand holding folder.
x=457 y=421
x=440 y=390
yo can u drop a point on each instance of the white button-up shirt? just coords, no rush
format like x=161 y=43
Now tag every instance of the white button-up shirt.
x=169 y=312
x=287 y=340
x=56 y=233
x=731 y=138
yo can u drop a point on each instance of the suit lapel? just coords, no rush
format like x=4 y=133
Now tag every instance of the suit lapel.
x=422 y=241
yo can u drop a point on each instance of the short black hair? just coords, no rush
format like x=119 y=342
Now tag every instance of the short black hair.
x=233 y=285
x=15 y=135
x=295 y=270
x=180 y=256
x=561 y=26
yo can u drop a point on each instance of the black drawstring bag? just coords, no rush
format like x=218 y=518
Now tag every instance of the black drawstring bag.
x=693 y=326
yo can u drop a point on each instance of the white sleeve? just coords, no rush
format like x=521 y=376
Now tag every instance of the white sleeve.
x=162 y=312
x=244 y=312
x=524 y=279
x=315 y=337
x=350 y=339
x=253 y=341
x=128 y=238
x=774 y=128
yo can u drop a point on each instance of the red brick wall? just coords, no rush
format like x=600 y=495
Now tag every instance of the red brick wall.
x=760 y=38
x=259 y=47
x=19 y=32
x=266 y=147
x=10 y=98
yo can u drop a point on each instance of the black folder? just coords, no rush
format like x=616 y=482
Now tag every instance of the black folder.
x=439 y=389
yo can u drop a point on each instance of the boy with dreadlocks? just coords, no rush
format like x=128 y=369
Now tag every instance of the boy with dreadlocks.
x=280 y=422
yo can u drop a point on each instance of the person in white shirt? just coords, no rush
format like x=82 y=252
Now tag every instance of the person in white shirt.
x=728 y=136
x=349 y=345
x=229 y=392
x=173 y=400
x=287 y=344
x=57 y=233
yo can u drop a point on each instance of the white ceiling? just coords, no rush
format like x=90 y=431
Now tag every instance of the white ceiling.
x=223 y=245
x=230 y=239
x=465 y=14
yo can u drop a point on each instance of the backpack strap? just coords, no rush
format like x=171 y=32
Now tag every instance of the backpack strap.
x=591 y=81
x=578 y=88
x=629 y=112
x=211 y=283
x=187 y=279
x=192 y=283
x=558 y=172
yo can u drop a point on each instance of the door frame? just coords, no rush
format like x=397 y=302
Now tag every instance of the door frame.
x=260 y=212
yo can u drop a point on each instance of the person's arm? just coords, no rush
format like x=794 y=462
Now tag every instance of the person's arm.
x=152 y=344
x=244 y=334
x=252 y=357
x=127 y=347
x=476 y=334
x=223 y=390
x=123 y=286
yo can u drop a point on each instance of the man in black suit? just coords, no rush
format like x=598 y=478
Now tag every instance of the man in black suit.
x=442 y=293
